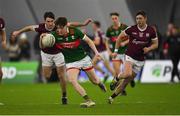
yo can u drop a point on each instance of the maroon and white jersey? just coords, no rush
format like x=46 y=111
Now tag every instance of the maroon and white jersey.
x=2 y=24
x=41 y=28
x=138 y=39
x=100 y=34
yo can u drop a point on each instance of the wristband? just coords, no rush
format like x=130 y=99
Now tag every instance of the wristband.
x=115 y=50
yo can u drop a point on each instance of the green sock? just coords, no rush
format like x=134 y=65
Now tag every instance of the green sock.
x=86 y=97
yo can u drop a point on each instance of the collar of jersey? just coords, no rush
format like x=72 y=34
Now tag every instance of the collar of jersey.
x=142 y=29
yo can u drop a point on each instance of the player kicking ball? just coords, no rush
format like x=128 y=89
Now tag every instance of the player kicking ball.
x=68 y=40
x=142 y=40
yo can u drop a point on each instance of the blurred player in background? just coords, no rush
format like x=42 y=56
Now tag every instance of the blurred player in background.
x=142 y=40
x=99 y=41
x=69 y=40
x=112 y=33
x=3 y=42
x=52 y=55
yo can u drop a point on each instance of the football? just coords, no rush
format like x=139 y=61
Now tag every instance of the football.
x=48 y=40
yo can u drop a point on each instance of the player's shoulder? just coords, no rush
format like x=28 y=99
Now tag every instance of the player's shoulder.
x=73 y=30
x=149 y=27
x=42 y=25
x=124 y=25
x=132 y=27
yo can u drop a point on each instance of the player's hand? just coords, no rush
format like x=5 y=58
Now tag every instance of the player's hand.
x=87 y=21
x=42 y=35
x=98 y=57
x=114 y=55
x=40 y=42
x=146 y=50
x=15 y=34
x=3 y=44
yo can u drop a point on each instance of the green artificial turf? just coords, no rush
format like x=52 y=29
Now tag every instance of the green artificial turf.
x=45 y=99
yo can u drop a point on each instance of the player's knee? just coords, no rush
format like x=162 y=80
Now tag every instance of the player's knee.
x=47 y=75
x=128 y=74
x=72 y=81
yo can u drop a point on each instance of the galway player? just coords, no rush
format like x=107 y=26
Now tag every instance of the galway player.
x=142 y=39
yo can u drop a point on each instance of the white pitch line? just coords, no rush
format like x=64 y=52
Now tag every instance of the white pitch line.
x=1 y=104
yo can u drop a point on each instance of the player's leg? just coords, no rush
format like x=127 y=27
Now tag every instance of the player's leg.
x=47 y=63
x=87 y=66
x=106 y=63
x=98 y=68
x=116 y=66
x=124 y=78
x=109 y=68
x=59 y=61
x=61 y=71
x=47 y=71
x=124 y=82
x=94 y=79
x=73 y=79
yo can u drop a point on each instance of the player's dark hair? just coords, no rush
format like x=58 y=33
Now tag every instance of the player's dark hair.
x=49 y=15
x=97 y=23
x=61 y=21
x=114 y=13
x=141 y=12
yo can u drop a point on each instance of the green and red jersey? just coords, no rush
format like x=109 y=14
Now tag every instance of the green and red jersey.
x=71 y=44
x=113 y=34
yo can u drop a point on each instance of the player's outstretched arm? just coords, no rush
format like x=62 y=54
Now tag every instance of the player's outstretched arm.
x=3 y=42
x=25 y=29
x=78 y=24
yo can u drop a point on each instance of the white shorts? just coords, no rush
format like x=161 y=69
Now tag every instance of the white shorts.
x=104 y=55
x=84 y=64
x=50 y=59
x=136 y=65
x=119 y=57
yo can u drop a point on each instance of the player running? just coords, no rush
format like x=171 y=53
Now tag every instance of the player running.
x=68 y=39
x=99 y=41
x=112 y=33
x=52 y=55
x=3 y=42
x=142 y=39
